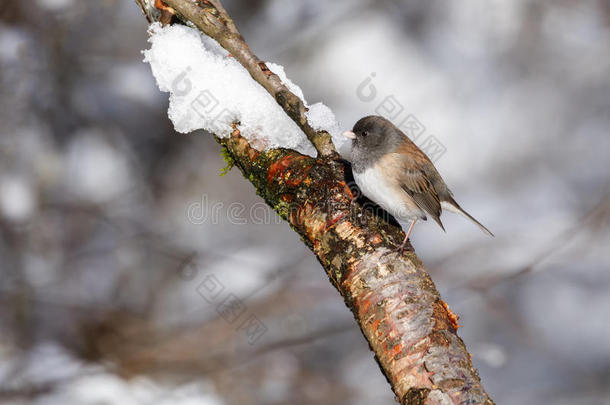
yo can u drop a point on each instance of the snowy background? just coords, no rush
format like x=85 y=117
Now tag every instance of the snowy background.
x=120 y=243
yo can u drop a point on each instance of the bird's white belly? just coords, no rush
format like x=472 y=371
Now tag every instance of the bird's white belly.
x=389 y=196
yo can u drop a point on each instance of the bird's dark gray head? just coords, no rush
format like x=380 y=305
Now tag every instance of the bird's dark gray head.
x=372 y=137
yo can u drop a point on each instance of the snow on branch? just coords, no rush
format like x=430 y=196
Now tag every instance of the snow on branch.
x=211 y=19
x=210 y=90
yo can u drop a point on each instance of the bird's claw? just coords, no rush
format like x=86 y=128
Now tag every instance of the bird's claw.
x=400 y=249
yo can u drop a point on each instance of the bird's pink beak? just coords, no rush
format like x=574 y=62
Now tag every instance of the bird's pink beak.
x=349 y=134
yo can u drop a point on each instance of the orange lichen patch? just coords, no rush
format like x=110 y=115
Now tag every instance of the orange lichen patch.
x=264 y=68
x=364 y=307
x=290 y=169
x=160 y=5
x=297 y=176
x=278 y=167
x=346 y=189
x=453 y=318
x=375 y=239
x=396 y=350
x=167 y=13
x=335 y=218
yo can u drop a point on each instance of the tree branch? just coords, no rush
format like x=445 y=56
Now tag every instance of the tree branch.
x=409 y=328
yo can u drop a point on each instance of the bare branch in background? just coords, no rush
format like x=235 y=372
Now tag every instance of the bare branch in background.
x=408 y=326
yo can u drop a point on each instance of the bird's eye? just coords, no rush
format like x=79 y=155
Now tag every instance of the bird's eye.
x=364 y=134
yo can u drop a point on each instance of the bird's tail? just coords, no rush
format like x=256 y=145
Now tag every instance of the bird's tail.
x=451 y=205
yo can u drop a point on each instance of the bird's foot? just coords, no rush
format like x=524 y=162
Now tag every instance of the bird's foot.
x=400 y=249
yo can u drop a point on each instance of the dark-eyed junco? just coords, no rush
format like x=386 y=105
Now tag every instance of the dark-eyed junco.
x=393 y=172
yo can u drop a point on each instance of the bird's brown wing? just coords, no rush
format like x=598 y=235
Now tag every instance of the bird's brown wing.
x=418 y=185
x=420 y=189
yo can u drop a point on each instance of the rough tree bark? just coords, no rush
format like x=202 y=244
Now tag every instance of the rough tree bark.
x=401 y=314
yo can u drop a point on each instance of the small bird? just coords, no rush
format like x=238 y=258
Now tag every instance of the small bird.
x=393 y=172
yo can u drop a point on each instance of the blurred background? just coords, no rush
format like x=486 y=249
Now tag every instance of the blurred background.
x=122 y=246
